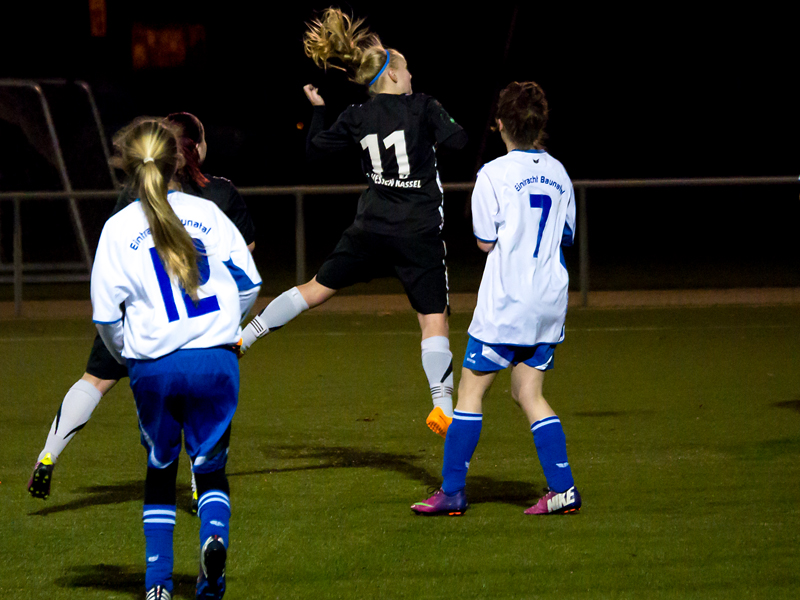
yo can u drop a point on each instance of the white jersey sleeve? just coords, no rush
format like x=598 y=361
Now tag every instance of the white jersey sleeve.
x=523 y=202
x=159 y=317
x=568 y=235
x=109 y=284
x=485 y=209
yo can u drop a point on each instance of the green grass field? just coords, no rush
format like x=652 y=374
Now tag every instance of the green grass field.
x=683 y=430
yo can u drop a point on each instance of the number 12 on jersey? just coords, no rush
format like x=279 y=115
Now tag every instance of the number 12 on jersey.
x=396 y=139
x=543 y=202
x=204 y=305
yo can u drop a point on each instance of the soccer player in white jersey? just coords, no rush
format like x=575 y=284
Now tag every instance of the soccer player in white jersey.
x=400 y=215
x=182 y=274
x=102 y=371
x=523 y=212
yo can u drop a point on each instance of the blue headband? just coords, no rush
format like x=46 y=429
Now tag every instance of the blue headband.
x=383 y=68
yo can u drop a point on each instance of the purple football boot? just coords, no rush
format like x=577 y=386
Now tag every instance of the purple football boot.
x=553 y=503
x=442 y=504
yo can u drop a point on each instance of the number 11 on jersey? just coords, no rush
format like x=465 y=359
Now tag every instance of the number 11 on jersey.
x=396 y=139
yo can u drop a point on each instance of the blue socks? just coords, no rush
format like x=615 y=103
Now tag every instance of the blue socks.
x=214 y=510
x=159 y=523
x=459 y=446
x=551 y=446
x=462 y=439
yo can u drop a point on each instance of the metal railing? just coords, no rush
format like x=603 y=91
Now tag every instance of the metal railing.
x=300 y=192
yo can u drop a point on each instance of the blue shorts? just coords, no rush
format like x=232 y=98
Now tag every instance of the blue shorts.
x=194 y=391
x=496 y=357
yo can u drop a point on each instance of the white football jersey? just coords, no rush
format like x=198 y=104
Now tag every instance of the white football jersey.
x=159 y=317
x=524 y=203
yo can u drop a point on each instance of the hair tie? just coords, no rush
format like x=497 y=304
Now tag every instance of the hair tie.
x=383 y=68
x=148 y=159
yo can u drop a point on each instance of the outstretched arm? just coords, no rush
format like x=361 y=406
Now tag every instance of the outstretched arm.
x=321 y=141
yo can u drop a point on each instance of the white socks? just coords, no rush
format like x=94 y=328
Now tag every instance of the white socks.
x=437 y=361
x=280 y=311
x=75 y=411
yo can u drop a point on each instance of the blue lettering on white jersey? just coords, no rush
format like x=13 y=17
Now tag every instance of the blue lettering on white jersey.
x=527 y=208
x=160 y=317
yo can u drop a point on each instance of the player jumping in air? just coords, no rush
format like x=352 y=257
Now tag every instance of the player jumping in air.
x=523 y=212
x=102 y=371
x=399 y=217
x=185 y=277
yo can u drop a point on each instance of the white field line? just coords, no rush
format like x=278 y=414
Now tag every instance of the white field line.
x=570 y=330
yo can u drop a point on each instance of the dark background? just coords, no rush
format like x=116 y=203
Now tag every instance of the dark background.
x=672 y=91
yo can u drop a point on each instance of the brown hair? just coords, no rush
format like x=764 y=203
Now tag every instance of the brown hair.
x=192 y=135
x=523 y=110
x=338 y=41
x=147 y=150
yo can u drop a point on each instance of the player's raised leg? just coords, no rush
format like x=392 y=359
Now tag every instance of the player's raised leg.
x=548 y=436
x=283 y=309
x=437 y=362
x=73 y=414
x=75 y=411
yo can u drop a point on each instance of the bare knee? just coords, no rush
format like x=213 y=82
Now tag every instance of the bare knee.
x=472 y=388
x=102 y=385
x=526 y=390
x=433 y=325
x=535 y=407
x=314 y=293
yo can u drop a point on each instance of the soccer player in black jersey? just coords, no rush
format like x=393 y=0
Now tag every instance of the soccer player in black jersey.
x=399 y=216
x=102 y=370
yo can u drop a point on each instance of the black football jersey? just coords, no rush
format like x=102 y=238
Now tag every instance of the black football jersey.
x=396 y=136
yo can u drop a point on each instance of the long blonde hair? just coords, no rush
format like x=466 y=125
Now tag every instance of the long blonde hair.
x=148 y=151
x=341 y=42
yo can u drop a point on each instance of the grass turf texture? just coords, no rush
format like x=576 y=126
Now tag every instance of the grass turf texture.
x=682 y=430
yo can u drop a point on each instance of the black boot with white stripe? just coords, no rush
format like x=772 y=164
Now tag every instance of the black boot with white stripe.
x=158 y=592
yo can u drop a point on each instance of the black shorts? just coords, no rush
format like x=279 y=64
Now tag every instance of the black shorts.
x=102 y=365
x=418 y=262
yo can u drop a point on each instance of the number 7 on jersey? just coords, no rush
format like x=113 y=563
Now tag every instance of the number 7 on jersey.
x=543 y=202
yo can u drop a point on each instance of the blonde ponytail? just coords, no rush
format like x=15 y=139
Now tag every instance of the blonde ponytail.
x=341 y=42
x=148 y=152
